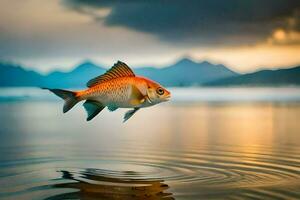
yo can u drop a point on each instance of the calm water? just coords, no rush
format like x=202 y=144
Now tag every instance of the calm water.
x=236 y=144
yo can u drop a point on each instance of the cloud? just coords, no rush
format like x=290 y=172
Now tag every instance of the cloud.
x=283 y=37
x=44 y=34
x=199 y=22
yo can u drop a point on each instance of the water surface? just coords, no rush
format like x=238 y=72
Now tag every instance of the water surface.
x=191 y=148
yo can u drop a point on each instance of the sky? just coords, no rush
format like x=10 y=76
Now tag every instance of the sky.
x=245 y=35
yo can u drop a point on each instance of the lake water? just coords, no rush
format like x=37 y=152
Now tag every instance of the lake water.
x=218 y=143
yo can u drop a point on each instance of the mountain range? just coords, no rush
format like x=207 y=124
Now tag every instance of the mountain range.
x=290 y=76
x=184 y=72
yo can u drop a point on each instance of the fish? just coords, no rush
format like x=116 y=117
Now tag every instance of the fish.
x=117 y=88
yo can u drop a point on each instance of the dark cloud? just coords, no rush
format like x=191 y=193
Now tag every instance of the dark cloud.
x=204 y=22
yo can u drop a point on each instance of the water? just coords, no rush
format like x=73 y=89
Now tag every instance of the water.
x=196 y=147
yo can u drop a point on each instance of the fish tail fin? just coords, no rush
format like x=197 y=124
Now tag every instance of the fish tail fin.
x=70 y=98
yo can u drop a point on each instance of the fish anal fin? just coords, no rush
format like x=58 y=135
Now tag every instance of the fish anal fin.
x=92 y=108
x=119 y=69
x=129 y=114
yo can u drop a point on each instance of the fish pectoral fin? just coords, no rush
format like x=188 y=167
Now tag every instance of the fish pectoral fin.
x=92 y=108
x=129 y=114
x=137 y=97
x=143 y=100
x=136 y=102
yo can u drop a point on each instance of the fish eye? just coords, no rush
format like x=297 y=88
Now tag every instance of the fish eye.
x=160 y=91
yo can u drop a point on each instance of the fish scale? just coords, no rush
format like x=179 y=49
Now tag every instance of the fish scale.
x=117 y=91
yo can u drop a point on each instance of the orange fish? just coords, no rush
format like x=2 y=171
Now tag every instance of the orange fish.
x=119 y=87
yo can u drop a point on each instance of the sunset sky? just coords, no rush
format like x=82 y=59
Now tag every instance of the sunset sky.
x=244 y=35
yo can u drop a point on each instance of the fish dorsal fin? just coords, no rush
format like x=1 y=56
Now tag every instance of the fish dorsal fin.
x=119 y=69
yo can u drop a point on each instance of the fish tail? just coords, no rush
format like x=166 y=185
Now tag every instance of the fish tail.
x=70 y=97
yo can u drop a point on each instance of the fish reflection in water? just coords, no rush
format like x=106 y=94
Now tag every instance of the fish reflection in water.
x=94 y=185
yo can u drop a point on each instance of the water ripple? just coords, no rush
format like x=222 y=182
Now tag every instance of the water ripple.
x=155 y=174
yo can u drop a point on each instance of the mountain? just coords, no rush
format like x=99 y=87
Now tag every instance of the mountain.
x=78 y=77
x=277 y=77
x=12 y=75
x=183 y=73
x=186 y=72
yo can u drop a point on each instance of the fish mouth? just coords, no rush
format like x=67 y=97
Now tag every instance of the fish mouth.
x=167 y=98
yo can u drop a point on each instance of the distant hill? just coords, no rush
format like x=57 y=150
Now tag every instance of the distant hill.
x=186 y=72
x=278 y=77
x=183 y=73
x=12 y=75
x=78 y=77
